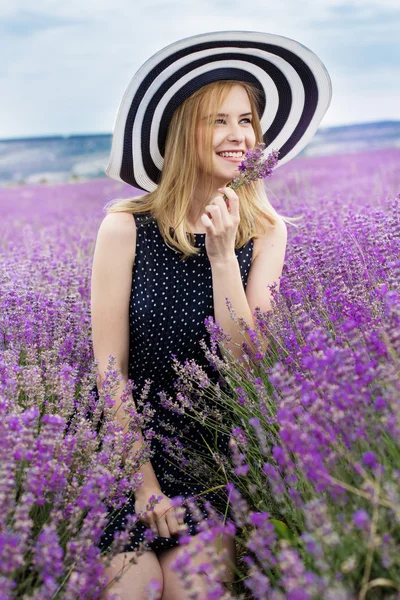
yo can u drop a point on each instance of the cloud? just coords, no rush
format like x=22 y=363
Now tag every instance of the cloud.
x=64 y=73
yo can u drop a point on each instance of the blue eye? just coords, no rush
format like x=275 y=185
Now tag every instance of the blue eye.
x=245 y=119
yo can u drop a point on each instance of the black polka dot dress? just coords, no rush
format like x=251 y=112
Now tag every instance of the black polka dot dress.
x=170 y=299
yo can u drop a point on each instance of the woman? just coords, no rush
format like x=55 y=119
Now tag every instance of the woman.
x=168 y=259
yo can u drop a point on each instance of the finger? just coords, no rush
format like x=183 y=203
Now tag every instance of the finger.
x=229 y=193
x=172 y=523
x=205 y=219
x=174 y=526
x=214 y=213
x=163 y=528
x=224 y=208
x=233 y=199
x=152 y=523
x=180 y=513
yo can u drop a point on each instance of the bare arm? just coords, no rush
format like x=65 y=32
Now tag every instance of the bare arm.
x=227 y=283
x=113 y=262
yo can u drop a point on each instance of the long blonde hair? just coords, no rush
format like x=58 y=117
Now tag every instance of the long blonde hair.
x=170 y=202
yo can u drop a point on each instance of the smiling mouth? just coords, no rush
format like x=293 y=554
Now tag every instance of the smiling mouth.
x=232 y=158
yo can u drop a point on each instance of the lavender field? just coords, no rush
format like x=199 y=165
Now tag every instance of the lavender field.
x=314 y=473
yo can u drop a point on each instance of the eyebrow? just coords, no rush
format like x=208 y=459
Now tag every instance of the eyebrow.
x=226 y=115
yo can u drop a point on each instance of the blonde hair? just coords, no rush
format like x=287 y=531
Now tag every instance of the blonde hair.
x=170 y=202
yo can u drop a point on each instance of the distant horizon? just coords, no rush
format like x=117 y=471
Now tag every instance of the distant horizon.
x=100 y=134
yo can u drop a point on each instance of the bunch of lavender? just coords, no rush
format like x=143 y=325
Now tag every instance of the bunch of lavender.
x=60 y=467
x=254 y=166
x=59 y=476
x=324 y=397
x=312 y=409
x=60 y=471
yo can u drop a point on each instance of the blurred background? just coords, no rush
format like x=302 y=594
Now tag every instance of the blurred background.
x=66 y=66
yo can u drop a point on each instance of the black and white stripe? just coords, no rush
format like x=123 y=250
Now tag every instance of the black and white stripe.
x=296 y=92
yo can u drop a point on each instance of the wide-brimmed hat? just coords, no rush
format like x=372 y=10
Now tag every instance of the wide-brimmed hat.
x=295 y=88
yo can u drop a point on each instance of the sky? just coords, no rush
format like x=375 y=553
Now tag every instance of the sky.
x=65 y=65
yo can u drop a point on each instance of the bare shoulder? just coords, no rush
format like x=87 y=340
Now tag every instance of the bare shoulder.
x=111 y=286
x=119 y=221
x=117 y=232
x=275 y=235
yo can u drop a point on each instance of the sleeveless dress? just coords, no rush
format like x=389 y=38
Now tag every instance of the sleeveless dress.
x=169 y=302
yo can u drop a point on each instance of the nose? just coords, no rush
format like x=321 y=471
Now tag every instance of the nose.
x=235 y=133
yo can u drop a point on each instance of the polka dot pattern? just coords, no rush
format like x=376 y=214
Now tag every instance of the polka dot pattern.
x=169 y=302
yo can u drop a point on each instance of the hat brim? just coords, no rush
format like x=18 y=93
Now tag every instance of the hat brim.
x=294 y=85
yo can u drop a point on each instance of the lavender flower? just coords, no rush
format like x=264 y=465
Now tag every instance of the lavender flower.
x=362 y=520
x=316 y=419
x=254 y=166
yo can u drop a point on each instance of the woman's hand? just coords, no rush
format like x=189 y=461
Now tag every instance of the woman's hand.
x=164 y=519
x=221 y=220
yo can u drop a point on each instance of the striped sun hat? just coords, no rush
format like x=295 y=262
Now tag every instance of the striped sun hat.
x=295 y=87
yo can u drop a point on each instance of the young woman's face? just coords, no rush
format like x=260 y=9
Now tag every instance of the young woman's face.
x=233 y=133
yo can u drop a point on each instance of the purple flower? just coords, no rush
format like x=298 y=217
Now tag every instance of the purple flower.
x=362 y=520
x=48 y=552
x=369 y=459
x=254 y=166
x=328 y=385
x=380 y=404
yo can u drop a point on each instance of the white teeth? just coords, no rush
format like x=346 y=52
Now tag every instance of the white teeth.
x=231 y=154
